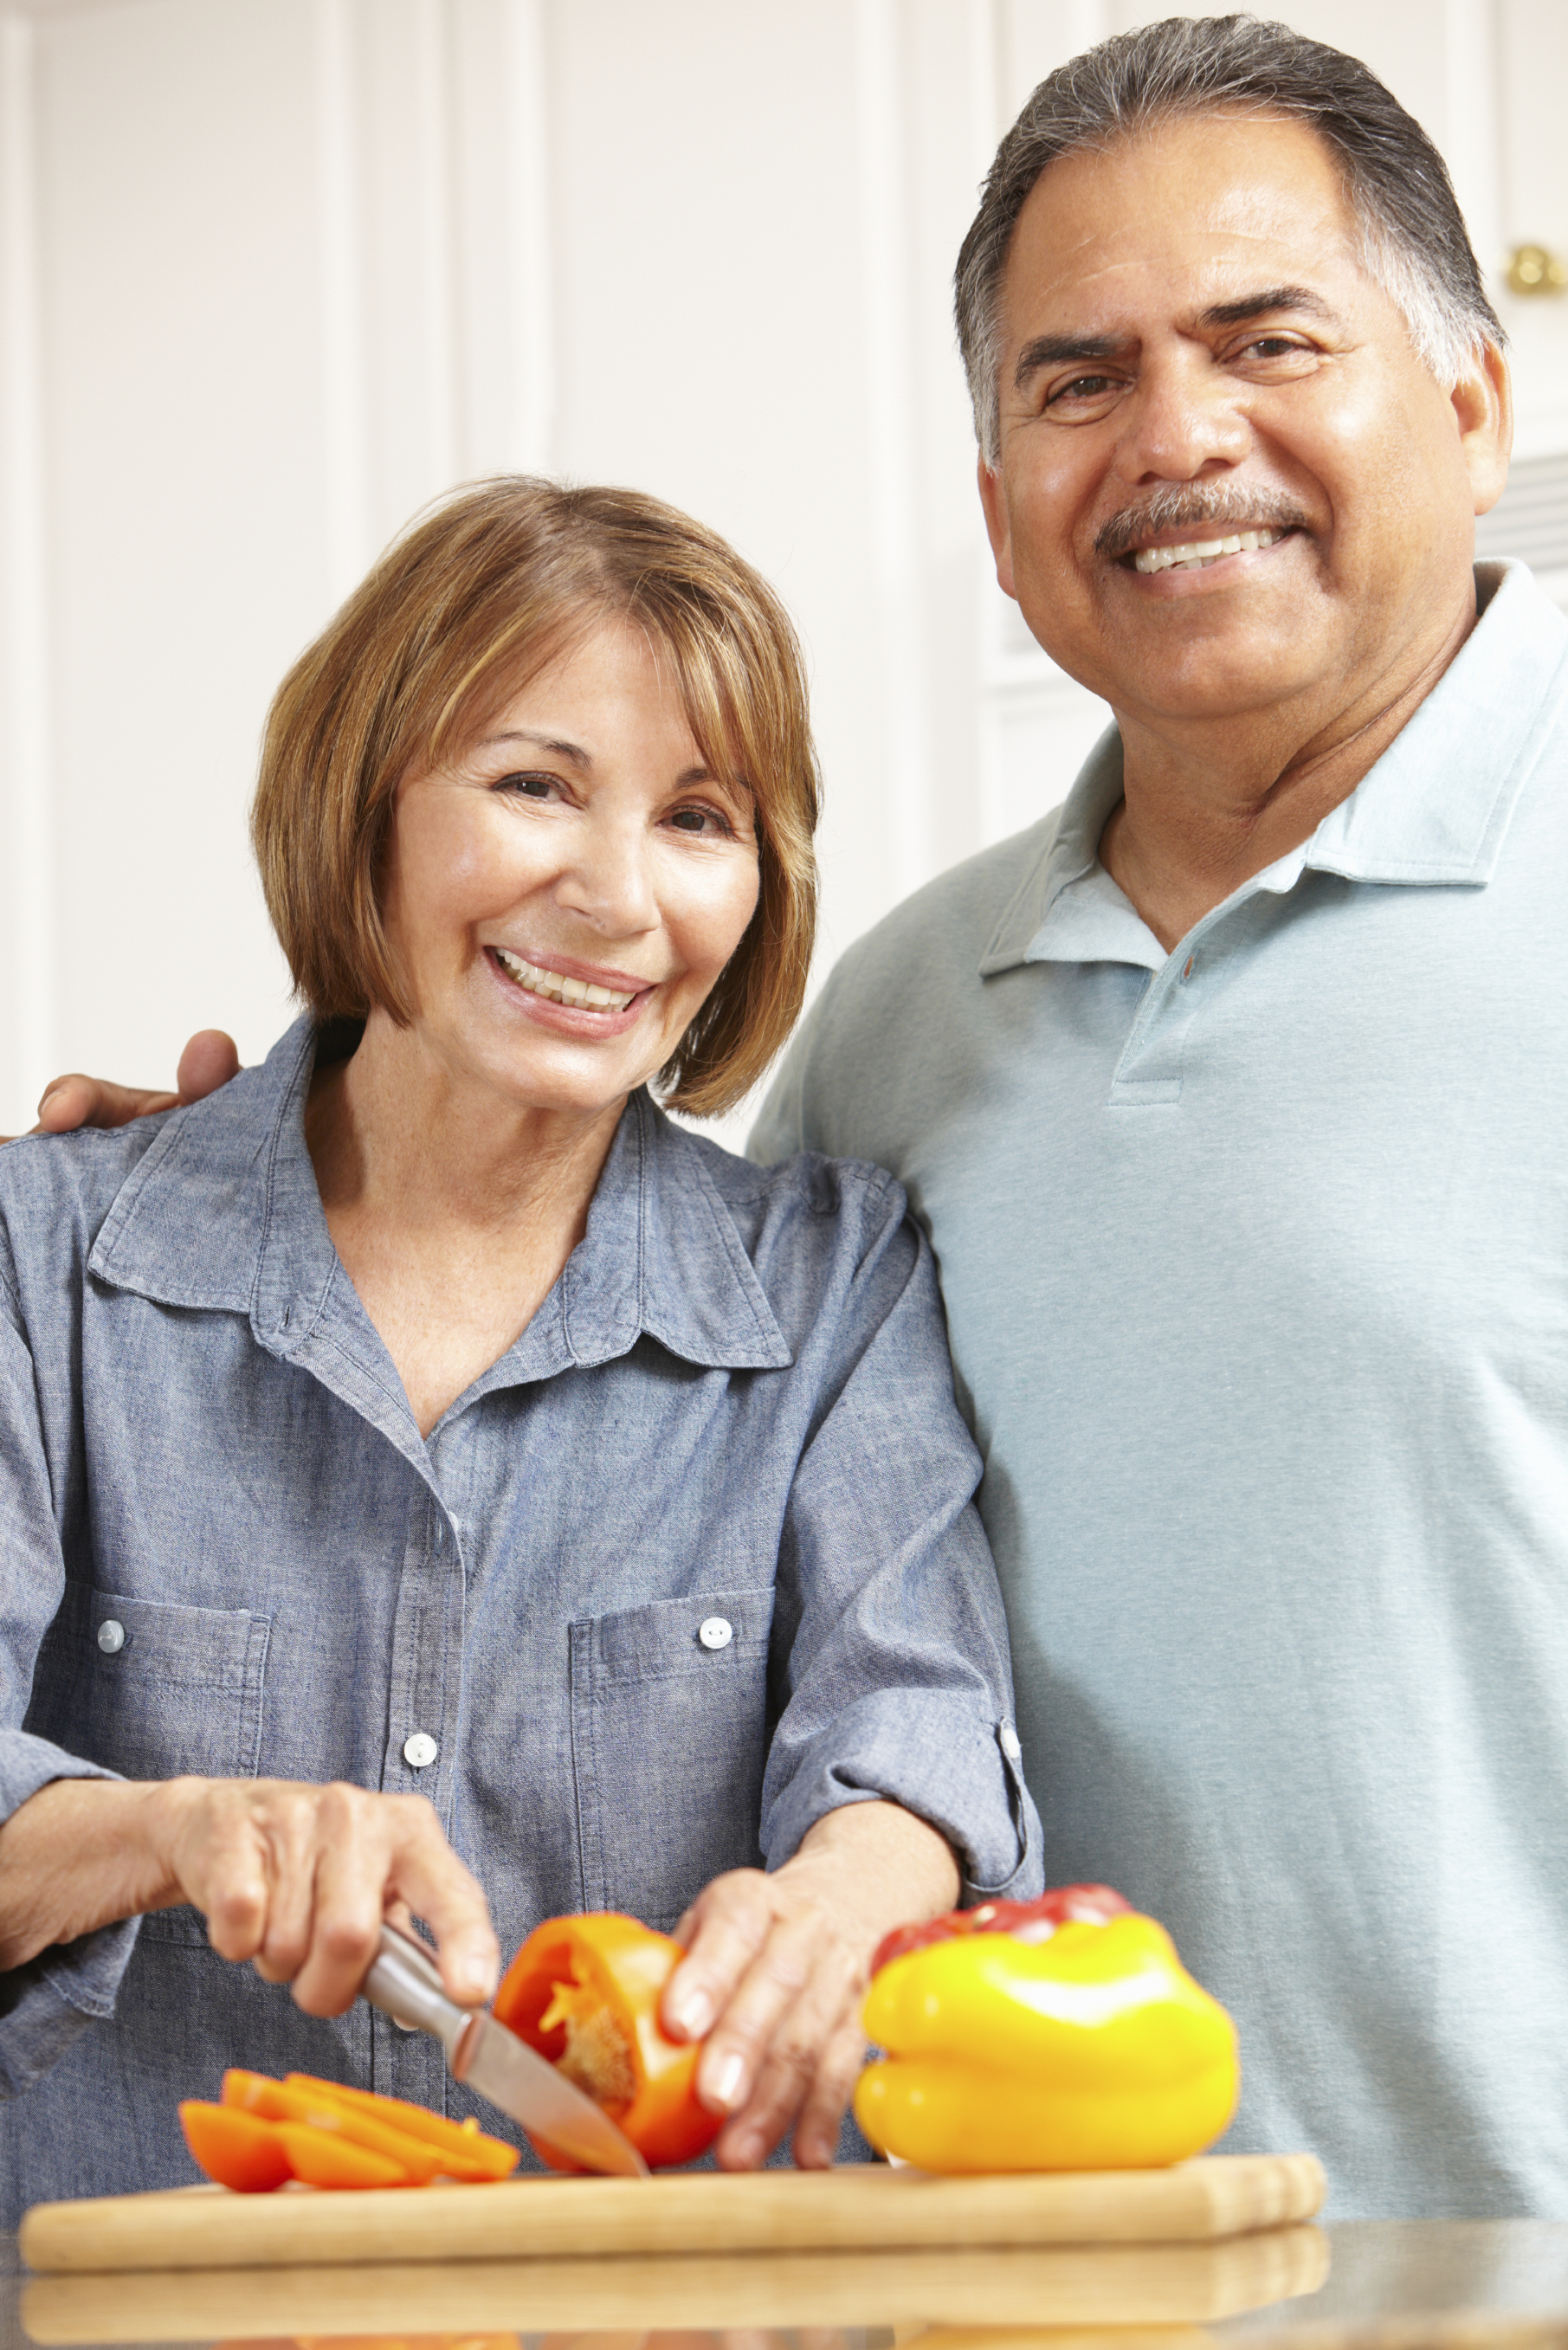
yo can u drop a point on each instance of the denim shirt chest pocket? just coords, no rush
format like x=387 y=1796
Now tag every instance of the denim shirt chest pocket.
x=150 y=1690
x=670 y=1733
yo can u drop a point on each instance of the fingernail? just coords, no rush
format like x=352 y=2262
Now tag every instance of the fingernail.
x=475 y=1979
x=724 y=2082
x=691 y=2011
x=746 y=2151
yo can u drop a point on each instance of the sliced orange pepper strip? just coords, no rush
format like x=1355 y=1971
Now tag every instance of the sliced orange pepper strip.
x=277 y=2101
x=466 y=2152
x=323 y=2158
x=234 y=2149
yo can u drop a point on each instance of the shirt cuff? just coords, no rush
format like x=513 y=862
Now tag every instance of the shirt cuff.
x=45 y=2004
x=956 y=1770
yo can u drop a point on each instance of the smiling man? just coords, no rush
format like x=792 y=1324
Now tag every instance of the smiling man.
x=1232 y=1098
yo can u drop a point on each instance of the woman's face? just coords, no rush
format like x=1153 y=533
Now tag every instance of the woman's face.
x=563 y=896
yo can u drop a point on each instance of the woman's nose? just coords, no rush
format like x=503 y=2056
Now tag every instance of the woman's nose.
x=1184 y=415
x=608 y=880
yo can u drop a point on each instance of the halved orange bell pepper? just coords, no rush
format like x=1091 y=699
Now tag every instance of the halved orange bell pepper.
x=1092 y=2049
x=584 y=1993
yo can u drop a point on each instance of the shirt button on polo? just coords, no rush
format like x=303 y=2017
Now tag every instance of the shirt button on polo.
x=715 y=1632
x=1007 y=1739
x=420 y=1750
x=111 y=1637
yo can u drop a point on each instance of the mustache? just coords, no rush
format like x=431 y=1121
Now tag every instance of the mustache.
x=1189 y=506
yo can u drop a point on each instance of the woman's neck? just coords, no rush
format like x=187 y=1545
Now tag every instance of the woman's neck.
x=453 y=1211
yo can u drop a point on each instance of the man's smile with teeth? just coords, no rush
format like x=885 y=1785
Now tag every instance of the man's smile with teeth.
x=558 y=989
x=1195 y=554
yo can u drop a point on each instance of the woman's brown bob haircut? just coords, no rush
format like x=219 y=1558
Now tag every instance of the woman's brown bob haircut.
x=472 y=602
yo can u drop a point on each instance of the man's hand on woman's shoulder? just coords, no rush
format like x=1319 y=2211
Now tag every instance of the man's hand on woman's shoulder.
x=208 y=1061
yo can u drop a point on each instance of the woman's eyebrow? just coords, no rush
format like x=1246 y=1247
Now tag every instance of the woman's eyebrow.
x=573 y=752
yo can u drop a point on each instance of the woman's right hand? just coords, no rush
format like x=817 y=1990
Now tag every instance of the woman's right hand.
x=296 y=1879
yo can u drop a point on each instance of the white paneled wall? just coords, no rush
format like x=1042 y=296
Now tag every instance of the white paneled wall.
x=274 y=271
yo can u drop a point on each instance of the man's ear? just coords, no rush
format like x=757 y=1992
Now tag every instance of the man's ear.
x=998 y=526
x=1483 y=403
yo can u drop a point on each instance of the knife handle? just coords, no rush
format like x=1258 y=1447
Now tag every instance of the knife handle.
x=404 y=1983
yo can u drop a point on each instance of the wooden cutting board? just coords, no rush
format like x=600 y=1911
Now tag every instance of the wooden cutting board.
x=858 y=2207
x=1062 y=2285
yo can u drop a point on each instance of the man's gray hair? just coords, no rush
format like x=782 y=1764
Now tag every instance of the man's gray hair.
x=1414 y=244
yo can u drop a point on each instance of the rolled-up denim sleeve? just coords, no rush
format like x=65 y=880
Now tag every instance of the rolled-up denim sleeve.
x=46 y=2003
x=889 y=1637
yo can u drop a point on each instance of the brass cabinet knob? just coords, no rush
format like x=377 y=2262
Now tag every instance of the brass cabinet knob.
x=1532 y=270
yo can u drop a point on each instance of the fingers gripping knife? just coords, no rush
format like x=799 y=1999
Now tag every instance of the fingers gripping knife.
x=403 y=1984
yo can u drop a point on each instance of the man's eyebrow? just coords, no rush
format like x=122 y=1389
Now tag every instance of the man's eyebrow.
x=1055 y=351
x=573 y=752
x=1258 y=305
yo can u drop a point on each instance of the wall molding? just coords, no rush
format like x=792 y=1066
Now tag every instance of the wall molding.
x=28 y=818
x=891 y=427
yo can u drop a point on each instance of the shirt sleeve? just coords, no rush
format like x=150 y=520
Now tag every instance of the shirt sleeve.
x=889 y=1633
x=45 y=2004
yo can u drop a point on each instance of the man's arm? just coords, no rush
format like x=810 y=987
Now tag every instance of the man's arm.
x=208 y=1061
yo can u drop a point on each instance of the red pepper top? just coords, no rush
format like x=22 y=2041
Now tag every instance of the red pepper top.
x=1026 y=1921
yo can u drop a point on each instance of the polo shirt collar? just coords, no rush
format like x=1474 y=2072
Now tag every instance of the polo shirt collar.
x=222 y=1213
x=1432 y=812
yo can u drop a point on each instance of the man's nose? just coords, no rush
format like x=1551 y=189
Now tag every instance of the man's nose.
x=608 y=880
x=1184 y=415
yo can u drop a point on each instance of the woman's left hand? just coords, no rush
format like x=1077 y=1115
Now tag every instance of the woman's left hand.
x=777 y=1966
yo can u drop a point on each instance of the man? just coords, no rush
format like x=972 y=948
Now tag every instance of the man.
x=1232 y=1098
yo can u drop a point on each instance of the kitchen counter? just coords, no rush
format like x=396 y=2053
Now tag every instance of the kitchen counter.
x=1405 y=2285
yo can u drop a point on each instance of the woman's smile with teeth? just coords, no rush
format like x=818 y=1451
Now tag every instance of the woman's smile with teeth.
x=1195 y=553
x=584 y=993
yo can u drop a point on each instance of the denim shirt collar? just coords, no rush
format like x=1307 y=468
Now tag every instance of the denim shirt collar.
x=222 y=1213
x=1431 y=812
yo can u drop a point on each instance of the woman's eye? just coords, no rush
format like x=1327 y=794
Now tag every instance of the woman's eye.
x=700 y=820
x=532 y=787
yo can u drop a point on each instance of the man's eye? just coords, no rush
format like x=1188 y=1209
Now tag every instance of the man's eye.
x=1081 y=387
x=1272 y=347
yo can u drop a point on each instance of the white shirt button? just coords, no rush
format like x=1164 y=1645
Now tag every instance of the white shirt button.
x=715 y=1632
x=420 y=1750
x=111 y=1637
x=1007 y=1739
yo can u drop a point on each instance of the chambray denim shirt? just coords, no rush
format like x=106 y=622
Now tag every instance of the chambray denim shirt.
x=224 y=1548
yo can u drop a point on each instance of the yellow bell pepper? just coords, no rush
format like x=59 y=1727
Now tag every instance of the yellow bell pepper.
x=1091 y=2050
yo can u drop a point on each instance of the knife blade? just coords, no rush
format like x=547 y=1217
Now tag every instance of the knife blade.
x=405 y=1984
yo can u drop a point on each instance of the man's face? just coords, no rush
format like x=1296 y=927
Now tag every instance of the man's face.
x=1191 y=352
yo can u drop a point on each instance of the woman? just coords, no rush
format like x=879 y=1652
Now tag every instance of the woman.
x=425 y=1469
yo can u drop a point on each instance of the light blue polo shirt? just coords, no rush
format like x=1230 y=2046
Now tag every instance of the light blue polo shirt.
x=1255 y=1259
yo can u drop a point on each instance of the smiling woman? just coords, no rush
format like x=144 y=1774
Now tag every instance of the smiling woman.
x=424 y=1415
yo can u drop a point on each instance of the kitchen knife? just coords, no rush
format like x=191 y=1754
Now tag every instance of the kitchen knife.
x=485 y=2055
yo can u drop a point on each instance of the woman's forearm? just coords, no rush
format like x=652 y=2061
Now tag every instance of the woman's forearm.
x=295 y=1878
x=77 y=1855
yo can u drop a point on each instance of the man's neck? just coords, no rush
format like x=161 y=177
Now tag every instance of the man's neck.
x=1209 y=804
